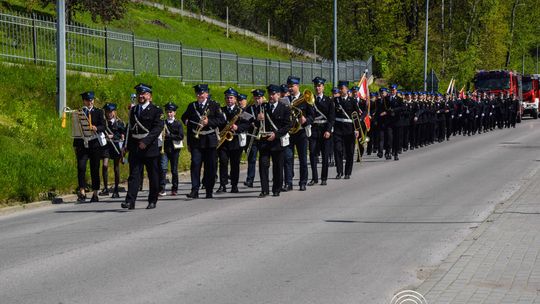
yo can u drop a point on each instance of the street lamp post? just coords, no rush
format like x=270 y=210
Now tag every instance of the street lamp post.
x=335 y=45
x=60 y=56
x=426 y=46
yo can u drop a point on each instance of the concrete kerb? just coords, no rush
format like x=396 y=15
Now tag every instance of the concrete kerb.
x=446 y=265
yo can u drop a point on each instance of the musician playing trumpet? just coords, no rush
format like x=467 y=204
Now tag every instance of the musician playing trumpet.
x=274 y=119
x=253 y=109
x=232 y=140
x=203 y=118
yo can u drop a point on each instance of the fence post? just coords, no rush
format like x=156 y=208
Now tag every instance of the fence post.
x=237 y=70
x=267 y=61
x=252 y=71
x=133 y=51
x=202 y=65
x=106 y=51
x=34 y=37
x=181 y=62
x=279 y=71
x=220 y=68
x=302 y=71
x=158 y=60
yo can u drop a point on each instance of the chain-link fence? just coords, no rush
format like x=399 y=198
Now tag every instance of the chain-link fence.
x=32 y=38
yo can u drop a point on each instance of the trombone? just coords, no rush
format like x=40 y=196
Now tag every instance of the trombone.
x=364 y=139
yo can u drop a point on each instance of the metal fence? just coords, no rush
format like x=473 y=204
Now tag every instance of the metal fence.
x=32 y=38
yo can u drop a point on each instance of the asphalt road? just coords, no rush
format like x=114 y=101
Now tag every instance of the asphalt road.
x=353 y=241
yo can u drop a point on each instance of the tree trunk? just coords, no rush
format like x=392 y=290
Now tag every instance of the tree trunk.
x=514 y=7
x=471 y=25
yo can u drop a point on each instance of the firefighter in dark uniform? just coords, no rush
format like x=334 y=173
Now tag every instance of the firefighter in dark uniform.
x=414 y=109
x=440 y=107
x=299 y=140
x=89 y=149
x=406 y=116
x=274 y=118
x=344 y=133
x=145 y=126
x=398 y=121
x=202 y=119
x=331 y=157
x=116 y=132
x=172 y=144
x=251 y=150
x=384 y=118
x=449 y=115
x=321 y=137
x=231 y=150
x=500 y=110
x=513 y=108
x=373 y=132
x=457 y=122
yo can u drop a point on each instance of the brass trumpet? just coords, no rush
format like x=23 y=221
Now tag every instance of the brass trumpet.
x=200 y=126
x=296 y=113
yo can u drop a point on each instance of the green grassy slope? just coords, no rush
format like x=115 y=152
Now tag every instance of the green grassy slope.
x=152 y=23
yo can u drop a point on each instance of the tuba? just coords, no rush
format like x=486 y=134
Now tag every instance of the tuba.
x=296 y=113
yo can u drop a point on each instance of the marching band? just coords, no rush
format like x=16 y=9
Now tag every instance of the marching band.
x=271 y=129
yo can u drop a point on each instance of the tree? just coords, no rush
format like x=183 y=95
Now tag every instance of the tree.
x=106 y=10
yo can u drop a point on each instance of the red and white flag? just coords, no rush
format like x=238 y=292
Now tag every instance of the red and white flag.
x=363 y=92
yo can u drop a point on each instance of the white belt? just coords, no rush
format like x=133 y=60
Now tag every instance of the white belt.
x=139 y=136
x=344 y=120
x=322 y=121
x=204 y=132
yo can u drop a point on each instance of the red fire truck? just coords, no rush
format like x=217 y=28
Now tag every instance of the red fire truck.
x=500 y=81
x=531 y=94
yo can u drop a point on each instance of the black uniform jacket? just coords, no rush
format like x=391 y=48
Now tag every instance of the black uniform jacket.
x=242 y=124
x=174 y=131
x=345 y=106
x=150 y=119
x=281 y=118
x=325 y=110
x=208 y=135
x=97 y=118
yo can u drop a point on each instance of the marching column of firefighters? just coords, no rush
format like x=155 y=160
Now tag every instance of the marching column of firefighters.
x=276 y=126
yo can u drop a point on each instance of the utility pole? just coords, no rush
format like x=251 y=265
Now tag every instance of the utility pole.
x=334 y=66
x=537 y=58
x=268 y=42
x=426 y=46
x=315 y=46
x=227 y=14
x=60 y=56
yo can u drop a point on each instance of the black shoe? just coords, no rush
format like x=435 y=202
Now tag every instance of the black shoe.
x=302 y=187
x=81 y=198
x=339 y=175
x=347 y=177
x=234 y=189
x=193 y=194
x=209 y=195
x=127 y=205
x=289 y=187
x=380 y=155
x=323 y=183
x=248 y=184
x=263 y=194
x=396 y=157
x=275 y=194
x=115 y=194
x=221 y=189
x=104 y=192
x=94 y=199
x=151 y=206
x=312 y=182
